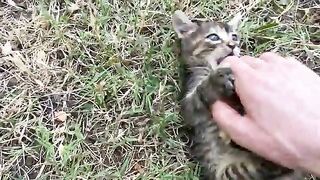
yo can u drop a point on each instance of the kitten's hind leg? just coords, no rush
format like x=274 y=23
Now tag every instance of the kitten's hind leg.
x=240 y=165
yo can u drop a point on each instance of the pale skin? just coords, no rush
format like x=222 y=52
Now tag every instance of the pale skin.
x=281 y=98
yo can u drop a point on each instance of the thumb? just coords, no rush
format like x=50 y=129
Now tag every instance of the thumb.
x=231 y=121
x=243 y=130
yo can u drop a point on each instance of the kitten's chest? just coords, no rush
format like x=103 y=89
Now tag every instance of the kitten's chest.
x=213 y=63
x=212 y=60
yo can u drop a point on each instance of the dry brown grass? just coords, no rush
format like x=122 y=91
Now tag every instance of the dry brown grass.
x=89 y=89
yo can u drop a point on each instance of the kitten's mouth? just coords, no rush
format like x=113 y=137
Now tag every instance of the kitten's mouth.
x=221 y=59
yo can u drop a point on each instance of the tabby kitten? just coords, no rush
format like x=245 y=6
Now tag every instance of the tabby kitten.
x=204 y=44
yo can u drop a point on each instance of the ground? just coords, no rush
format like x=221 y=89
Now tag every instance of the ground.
x=90 y=89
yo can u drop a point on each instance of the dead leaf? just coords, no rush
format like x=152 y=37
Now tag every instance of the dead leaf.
x=6 y=49
x=100 y=86
x=18 y=60
x=40 y=59
x=73 y=7
x=60 y=149
x=42 y=22
x=139 y=168
x=121 y=133
x=93 y=21
x=59 y=131
x=140 y=137
x=61 y=116
x=39 y=83
x=93 y=18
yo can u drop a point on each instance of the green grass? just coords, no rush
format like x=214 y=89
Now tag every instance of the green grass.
x=112 y=67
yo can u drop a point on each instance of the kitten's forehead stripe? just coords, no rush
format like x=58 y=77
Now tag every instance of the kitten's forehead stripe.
x=199 y=22
x=227 y=27
x=218 y=26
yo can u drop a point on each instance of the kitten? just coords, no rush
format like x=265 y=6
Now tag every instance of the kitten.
x=204 y=44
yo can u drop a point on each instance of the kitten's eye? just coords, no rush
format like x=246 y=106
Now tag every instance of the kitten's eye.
x=213 y=37
x=234 y=37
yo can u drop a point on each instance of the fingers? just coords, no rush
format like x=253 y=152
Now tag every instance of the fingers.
x=237 y=65
x=244 y=131
x=243 y=71
x=240 y=128
x=245 y=76
x=254 y=63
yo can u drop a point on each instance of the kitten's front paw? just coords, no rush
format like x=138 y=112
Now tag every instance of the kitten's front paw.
x=225 y=80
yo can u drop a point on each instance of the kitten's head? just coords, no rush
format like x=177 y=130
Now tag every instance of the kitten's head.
x=207 y=40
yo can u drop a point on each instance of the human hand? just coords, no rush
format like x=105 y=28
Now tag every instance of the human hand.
x=281 y=98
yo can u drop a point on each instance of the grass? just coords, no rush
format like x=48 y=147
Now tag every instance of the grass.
x=90 y=89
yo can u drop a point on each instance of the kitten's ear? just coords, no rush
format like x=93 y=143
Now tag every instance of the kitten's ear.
x=235 y=21
x=182 y=24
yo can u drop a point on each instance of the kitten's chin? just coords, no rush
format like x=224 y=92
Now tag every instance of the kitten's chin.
x=234 y=53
